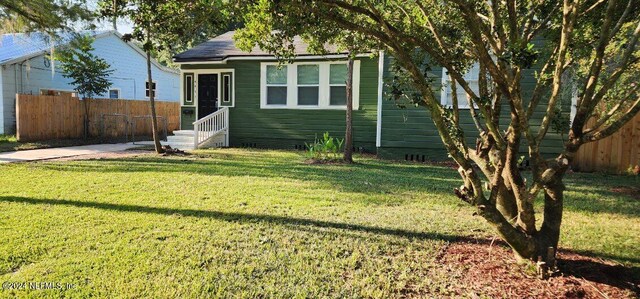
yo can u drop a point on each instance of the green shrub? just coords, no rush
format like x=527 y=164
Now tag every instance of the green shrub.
x=326 y=148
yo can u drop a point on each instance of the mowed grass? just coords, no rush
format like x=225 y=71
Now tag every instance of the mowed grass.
x=257 y=223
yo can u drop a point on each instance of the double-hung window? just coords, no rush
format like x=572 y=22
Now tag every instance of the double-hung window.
x=276 y=85
x=308 y=84
x=338 y=84
x=148 y=91
x=471 y=77
x=114 y=93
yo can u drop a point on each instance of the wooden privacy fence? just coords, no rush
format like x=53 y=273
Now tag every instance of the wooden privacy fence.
x=615 y=154
x=62 y=117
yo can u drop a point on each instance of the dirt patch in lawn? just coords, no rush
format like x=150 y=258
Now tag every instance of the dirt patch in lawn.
x=490 y=270
x=325 y=161
x=110 y=155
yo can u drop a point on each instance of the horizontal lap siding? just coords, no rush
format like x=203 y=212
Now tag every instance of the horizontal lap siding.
x=288 y=128
x=129 y=76
x=130 y=71
x=410 y=131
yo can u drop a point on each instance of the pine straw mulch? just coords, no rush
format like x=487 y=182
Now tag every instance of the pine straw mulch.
x=490 y=270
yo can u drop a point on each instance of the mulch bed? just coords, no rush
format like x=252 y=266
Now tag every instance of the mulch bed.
x=490 y=270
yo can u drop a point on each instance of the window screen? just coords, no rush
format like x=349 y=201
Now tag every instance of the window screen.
x=338 y=84
x=114 y=93
x=276 y=85
x=308 y=84
x=146 y=87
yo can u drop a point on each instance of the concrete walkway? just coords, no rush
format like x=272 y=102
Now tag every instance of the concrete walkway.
x=62 y=152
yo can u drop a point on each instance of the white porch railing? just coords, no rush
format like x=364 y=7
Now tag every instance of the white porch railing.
x=210 y=126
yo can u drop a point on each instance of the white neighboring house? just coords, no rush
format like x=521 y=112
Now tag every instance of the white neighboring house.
x=24 y=68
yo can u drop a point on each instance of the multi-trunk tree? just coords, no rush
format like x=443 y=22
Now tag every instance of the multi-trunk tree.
x=589 y=47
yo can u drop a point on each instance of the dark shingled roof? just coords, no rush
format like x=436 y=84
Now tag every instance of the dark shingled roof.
x=223 y=46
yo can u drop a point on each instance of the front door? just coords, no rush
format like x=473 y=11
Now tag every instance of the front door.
x=207 y=94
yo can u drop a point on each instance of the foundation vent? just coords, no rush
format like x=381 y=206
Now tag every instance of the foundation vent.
x=414 y=158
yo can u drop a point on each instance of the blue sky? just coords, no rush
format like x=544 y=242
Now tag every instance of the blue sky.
x=124 y=26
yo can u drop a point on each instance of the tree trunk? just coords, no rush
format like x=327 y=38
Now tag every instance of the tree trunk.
x=348 y=136
x=549 y=233
x=542 y=245
x=86 y=119
x=506 y=203
x=154 y=119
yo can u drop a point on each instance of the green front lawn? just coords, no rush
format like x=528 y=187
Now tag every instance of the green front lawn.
x=254 y=223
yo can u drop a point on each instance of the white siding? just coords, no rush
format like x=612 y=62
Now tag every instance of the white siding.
x=130 y=73
x=1 y=105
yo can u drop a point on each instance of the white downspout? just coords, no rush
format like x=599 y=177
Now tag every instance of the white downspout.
x=379 y=113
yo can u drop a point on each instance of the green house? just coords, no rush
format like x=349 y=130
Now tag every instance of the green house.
x=246 y=99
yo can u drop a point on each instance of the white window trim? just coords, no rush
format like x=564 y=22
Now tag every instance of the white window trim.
x=196 y=73
x=109 y=92
x=324 y=86
x=446 y=87
x=184 y=88
x=155 y=95
x=230 y=89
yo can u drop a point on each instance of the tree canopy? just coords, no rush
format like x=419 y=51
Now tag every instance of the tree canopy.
x=42 y=15
x=589 y=47
x=174 y=24
x=90 y=73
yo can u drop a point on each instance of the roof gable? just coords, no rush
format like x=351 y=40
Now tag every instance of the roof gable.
x=16 y=47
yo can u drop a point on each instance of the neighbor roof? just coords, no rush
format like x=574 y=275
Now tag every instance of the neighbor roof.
x=18 y=47
x=21 y=46
x=223 y=47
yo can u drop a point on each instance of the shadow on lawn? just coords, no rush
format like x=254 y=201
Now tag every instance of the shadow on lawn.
x=571 y=262
x=623 y=277
x=240 y=217
x=376 y=177
x=368 y=177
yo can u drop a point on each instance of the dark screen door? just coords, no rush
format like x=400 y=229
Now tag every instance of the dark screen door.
x=207 y=94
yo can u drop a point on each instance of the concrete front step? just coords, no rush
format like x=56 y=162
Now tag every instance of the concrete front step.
x=180 y=139
x=184 y=140
x=183 y=133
